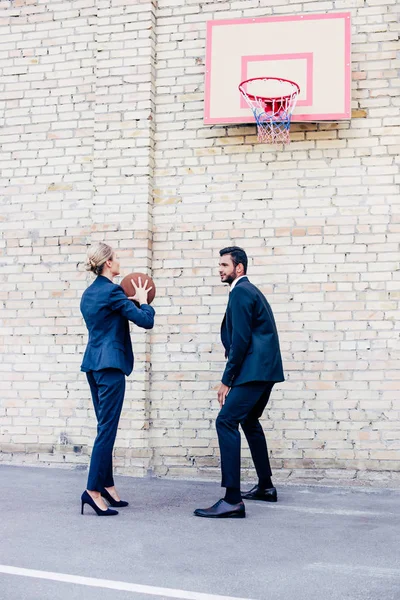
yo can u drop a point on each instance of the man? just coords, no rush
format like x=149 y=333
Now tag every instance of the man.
x=254 y=365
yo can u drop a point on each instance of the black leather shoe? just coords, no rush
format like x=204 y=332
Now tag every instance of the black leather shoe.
x=222 y=510
x=257 y=493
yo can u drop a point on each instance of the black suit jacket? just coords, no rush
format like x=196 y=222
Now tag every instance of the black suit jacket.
x=250 y=337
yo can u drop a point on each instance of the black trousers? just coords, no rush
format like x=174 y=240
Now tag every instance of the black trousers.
x=244 y=405
x=108 y=389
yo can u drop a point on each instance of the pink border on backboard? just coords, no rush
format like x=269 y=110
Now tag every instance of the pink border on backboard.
x=298 y=117
x=308 y=56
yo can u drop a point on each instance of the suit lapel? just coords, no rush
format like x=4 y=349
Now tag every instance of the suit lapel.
x=225 y=335
x=226 y=325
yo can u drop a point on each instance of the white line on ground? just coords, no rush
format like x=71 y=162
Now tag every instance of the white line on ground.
x=328 y=511
x=365 y=571
x=114 y=585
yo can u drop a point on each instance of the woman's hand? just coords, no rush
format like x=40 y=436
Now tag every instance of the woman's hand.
x=141 y=291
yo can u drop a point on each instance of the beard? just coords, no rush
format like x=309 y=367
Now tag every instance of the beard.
x=230 y=278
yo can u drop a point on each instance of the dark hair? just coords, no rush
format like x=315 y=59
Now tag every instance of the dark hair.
x=238 y=255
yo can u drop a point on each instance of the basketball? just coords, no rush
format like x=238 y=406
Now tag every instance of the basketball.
x=129 y=290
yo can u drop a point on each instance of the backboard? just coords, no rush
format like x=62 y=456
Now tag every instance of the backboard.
x=311 y=49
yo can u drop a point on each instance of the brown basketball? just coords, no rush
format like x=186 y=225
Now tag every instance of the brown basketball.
x=129 y=290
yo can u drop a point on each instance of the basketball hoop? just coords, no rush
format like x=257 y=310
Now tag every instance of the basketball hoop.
x=272 y=101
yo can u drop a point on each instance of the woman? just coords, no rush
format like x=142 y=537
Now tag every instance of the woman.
x=108 y=358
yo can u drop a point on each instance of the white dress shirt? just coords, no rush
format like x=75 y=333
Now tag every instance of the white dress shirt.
x=234 y=282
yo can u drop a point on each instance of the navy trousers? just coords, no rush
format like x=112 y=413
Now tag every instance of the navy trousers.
x=244 y=405
x=108 y=389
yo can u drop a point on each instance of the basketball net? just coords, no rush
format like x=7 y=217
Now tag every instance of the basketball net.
x=272 y=114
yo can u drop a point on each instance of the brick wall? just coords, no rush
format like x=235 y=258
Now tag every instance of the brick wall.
x=103 y=139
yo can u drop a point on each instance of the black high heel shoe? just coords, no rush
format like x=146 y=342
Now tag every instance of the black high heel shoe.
x=111 y=501
x=87 y=499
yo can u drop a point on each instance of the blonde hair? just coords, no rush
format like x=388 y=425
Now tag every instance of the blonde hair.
x=97 y=256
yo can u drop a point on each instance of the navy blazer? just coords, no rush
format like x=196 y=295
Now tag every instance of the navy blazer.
x=107 y=312
x=250 y=337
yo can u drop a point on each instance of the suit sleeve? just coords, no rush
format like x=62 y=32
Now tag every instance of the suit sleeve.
x=242 y=314
x=142 y=317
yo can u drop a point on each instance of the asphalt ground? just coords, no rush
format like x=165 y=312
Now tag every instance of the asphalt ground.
x=316 y=543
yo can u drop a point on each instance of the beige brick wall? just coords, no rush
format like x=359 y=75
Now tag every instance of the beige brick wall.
x=103 y=138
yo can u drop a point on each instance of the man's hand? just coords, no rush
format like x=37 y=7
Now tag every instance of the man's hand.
x=141 y=291
x=222 y=394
